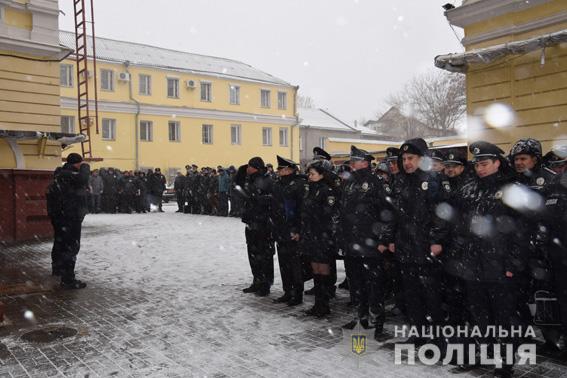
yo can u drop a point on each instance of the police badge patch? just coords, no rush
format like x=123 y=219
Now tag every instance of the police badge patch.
x=424 y=185
x=406 y=147
x=498 y=194
x=540 y=181
x=331 y=200
x=476 y=150
x=365 y=186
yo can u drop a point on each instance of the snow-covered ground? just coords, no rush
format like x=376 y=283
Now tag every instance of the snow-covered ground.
x=164 y=299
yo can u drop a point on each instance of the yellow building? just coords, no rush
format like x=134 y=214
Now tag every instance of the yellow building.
x=29 y=114
x=164 y=108
x=516 y=57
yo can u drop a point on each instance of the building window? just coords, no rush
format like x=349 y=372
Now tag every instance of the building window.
x=206 y=91
x=66 y=75
x=322 y=142
x=282 y=100
x=265 y=98
x=267 y=136
x=107 y=80
x=207 y=134
x=108 y=129
x=146 y=131
x=234 y=95
x=68 y=124
x=145 y=85
x=283 y=137
x=174 y=131
x=172 y=87
x=235 y=134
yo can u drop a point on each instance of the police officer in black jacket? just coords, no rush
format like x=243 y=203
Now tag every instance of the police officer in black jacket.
x=257 y=191
x=67 y=207
x=317 y=238
x=419 y=235
x=554 y=235
x=286 y=217
x=493 y=256
x=366 y=228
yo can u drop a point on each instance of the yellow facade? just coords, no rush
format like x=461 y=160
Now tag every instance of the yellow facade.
x=29 y=86
x=534 y=87
x=128 y=108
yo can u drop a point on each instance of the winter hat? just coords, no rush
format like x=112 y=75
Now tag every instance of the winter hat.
x=483 y=150
x=74 y=158
x=392 y=153
x=359 y=154
x=256 y=162
x=416 y=146
x=528 y=146
x=285 y=163
x=320 y=154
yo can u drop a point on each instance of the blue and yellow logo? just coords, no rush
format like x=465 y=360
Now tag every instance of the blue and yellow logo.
x=358 y=344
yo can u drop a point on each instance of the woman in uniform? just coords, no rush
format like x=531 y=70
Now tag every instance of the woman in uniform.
x=317 y=238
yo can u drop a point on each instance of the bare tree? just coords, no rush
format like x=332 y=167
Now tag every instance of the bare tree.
x=305 y=102
x=436 y=98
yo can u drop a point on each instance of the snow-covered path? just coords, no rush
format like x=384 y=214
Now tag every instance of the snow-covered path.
x=164 y=299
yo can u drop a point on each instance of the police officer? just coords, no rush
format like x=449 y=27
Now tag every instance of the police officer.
x=419 y=236
x=554 y=235
x=319 y=217
x=257 y=191
x=365 y=222
x=67 y=207
x=178 y=186
x=526 y=156
x=556 y=159
x=286 y=217
x=437 y=158
x=493 y=254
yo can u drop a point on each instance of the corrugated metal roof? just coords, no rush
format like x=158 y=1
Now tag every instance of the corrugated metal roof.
x=320 y=119
x=145 y=55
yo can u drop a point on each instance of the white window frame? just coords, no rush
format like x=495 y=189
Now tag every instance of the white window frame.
x=237 y=140
x=148 y=125
x=177 y=131
x=147 y=80
x=322 y=142
x=175 y=87
x=207 y=136
x=267 y=104
x=234 y=94
x=300 y=143
x=283 y=132
x=66 y=78
x=208 y=93
x=111 y=123
x=282 y=100
x=104 y=71
x=69 y=126
x=266 y=136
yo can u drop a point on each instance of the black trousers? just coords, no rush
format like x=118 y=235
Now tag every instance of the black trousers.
x=393 y=284
x=422 y=293
x=454 y=297
x=290 y=268
x=494 y=304
x=366 y=281
x=223 y=204
x=66 y=245
x=180 y=200
x=260 y=256
x=558 y=257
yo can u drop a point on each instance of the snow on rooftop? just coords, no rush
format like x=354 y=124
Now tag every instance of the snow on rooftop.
x=321 y=119
x=145 y=55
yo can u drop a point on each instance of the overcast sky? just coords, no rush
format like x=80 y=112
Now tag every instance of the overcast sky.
x=348 y=55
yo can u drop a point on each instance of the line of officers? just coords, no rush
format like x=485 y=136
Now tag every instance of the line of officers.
x=455 y=242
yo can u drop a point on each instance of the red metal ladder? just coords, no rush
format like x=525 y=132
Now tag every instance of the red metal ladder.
x=86 y=116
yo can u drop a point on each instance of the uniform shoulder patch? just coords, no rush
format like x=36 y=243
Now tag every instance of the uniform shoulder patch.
x=540 y=181
x=365 y=186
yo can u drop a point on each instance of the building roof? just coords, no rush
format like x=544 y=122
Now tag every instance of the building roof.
x=321 y=119
x=367 y=131
x=151 y=56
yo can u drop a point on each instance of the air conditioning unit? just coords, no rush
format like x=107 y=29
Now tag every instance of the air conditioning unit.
x=190 y=84
x=124 y=76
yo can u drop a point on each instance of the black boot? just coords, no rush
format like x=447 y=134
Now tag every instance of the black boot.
x=284 y=298
x=324 y=295
x=310 y=291
x=251 y=289
x=263 y=291
x=296 y=297
x=344 y=285
x=314 y=311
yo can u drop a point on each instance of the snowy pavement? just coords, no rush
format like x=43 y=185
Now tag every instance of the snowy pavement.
x=164 y=299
